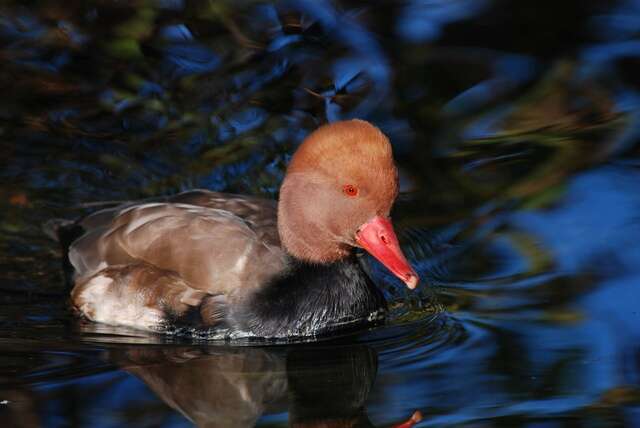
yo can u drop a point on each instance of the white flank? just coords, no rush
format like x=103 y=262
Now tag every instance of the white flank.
x=103 y=305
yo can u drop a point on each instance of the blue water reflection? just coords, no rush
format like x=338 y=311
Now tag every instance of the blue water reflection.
x=516 y=128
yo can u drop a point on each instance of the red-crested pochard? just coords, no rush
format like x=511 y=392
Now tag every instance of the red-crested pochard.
x=243 y=264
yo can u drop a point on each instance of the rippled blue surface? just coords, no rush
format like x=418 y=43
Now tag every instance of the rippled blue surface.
x=516 y=128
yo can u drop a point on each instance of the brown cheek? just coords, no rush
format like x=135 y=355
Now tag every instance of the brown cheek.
x=386 y=207
x=339 y=220
x=386 y=211
x=362 y=214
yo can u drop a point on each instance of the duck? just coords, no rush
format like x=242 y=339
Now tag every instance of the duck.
x=203 y=260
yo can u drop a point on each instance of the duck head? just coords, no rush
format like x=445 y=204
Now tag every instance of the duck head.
x=337 y=195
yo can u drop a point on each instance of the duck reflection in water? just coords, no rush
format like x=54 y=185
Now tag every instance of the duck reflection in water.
x=319 y=386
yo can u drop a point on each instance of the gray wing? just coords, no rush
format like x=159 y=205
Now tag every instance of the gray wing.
x=156 y=258
x=144 y=264
x=259 y=213
x=212 y=249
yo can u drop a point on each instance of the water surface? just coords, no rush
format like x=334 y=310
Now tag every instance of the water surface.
x=516 y=128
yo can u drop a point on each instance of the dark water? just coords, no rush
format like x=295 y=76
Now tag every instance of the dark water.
x=516 y=125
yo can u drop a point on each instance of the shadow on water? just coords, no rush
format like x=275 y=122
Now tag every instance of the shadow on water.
x=516 y=128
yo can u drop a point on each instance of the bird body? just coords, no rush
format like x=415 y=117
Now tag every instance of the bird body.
x=211 y=260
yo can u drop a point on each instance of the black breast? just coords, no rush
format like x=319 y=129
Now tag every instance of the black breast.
x=310 y=299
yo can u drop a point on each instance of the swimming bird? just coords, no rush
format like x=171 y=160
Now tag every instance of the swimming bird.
x=209 y=260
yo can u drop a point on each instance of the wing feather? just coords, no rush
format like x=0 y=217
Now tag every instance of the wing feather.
x=213 y=249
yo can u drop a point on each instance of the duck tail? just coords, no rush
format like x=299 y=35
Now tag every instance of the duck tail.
x=62 y=230
x=52 y=227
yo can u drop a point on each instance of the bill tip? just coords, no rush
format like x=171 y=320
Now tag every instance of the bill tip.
x=412 y=281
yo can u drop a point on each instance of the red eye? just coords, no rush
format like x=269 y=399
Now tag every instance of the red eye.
x=350 y=190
